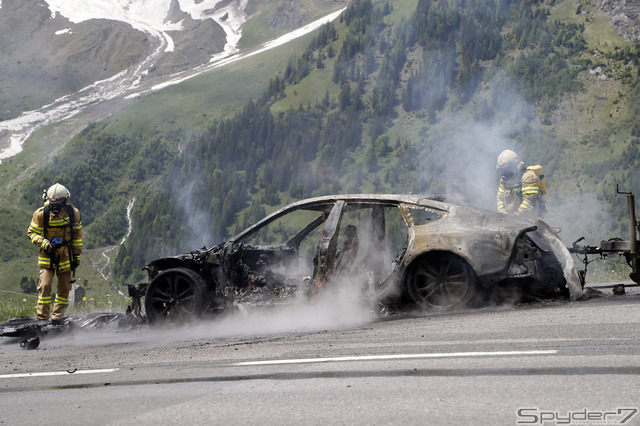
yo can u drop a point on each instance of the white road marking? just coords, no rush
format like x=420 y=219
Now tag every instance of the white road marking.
x=56 y=373
x=394 y=356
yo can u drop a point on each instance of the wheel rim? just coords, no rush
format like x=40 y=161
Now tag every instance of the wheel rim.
x=443 y=283
x=173 y=296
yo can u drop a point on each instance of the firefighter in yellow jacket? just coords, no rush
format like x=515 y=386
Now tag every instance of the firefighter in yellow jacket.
x=57 y=230
x=519 y=193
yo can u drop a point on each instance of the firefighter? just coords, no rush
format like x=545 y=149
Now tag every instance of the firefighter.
x=519 y=193
x=57 y=230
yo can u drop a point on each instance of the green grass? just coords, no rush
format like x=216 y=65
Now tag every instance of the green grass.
x=612 y=270
x=215 y=94
x=402 y=10
x=22 y=305
x=17 y=305
x=309 y=91
x=13 y=271
x=567 y=10
x=601 y=34
x=258 y=29
x=105 y=302
x=599 y=31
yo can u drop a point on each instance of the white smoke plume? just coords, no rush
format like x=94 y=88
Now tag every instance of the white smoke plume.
x=339 y=307
x=465 y=145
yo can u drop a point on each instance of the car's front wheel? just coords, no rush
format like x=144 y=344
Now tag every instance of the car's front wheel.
x=177 y=294
x=441 y=281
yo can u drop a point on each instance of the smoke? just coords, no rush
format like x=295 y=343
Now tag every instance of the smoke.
x=461 y=163
x=195 y=211
x=340 y=306
x=460 y=150
x=469 y=159
x=578 y=215
x=197 y=224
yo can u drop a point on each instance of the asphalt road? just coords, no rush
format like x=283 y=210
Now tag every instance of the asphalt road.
x=539 y=363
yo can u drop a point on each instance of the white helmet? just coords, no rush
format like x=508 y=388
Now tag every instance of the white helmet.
x=508 y=163
x=57 y=194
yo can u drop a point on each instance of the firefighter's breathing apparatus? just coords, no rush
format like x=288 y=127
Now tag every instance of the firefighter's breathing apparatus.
x=537 y=169
x=542 y=202
x=55 y=199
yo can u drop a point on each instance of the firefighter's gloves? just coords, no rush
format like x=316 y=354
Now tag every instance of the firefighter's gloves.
x=46 y=245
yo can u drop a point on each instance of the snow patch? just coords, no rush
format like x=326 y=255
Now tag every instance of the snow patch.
x=144 y=15
x=222 y=60
x=152 y=16
x=65 y=31
x=61 y=109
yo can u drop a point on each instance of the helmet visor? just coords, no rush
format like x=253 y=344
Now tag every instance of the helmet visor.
x=57 y=205
x=508 y=170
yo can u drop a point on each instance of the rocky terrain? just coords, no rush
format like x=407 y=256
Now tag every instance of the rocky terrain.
x=625 y=16
x=44 y=58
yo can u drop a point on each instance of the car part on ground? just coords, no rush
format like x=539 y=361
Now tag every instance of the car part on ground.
x=30 y=329
x=30 y=343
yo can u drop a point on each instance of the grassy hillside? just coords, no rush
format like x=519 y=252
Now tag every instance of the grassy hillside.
x=582 y=144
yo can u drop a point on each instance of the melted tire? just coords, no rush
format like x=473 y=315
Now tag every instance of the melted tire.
x=441 y=282
x=175 y=295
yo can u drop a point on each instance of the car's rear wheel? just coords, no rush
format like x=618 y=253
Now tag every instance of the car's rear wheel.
x=175 y=295
x=441 y=281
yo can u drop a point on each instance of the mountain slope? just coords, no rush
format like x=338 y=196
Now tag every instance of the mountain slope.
x=397 y=96
x=234 y=90
x=45 y=58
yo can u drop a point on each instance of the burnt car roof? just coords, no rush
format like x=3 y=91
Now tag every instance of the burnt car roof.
x=473 y=217
x=435 y=202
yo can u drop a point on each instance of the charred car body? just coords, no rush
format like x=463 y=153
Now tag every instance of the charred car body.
x=398 y=248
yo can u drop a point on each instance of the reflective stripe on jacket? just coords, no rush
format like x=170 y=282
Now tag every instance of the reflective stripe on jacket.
x=519 y=196
x=59 y=226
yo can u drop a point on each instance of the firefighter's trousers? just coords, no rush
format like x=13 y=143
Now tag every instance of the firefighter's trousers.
x=44 y=293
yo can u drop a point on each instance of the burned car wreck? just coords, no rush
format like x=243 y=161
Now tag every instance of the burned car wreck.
x=397 y=248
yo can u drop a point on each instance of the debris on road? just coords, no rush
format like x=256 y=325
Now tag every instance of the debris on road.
x=31 y=343
x=31 y=330
x=618 y=289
